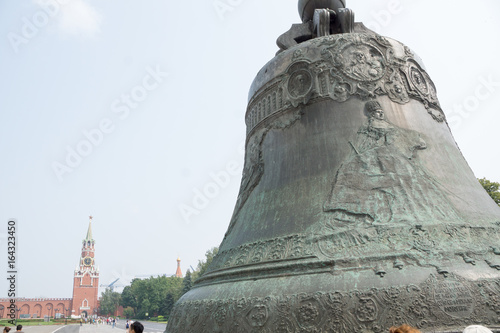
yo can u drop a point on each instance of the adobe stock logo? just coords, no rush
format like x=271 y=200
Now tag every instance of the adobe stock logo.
x=122 y=107
x=382 y=18
x=484 y=90
x=32 y=26
x=203 y=195
x=222 y=7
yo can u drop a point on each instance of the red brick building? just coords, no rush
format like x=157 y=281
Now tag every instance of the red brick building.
x=85 y=300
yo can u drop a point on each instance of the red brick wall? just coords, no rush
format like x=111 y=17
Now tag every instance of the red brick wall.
x=36 y=306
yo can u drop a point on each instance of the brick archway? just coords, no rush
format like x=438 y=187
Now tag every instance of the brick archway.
x=25 y=309
x=37 y=310
x=62 y=310
x=50 y=309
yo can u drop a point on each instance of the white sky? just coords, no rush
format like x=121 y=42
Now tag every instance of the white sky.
x=69 y=76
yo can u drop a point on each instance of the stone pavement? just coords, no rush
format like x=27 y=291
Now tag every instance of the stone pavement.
x=103 y=328
x=73 y=328
x=149 y=327
x=41 y=329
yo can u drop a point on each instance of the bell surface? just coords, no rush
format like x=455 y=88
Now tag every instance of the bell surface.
x=356 y=210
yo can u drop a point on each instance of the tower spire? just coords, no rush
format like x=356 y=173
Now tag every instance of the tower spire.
x=89 y=231
x=178 y=273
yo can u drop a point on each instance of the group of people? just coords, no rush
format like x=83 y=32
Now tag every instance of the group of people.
x=19 y=329
x=98 y=320
x=111 y=321
x=469 y=329
x=131 y=326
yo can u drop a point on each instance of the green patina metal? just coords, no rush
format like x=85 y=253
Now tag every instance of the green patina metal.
x=356 y=209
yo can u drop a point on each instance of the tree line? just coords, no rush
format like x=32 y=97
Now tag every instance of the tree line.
x=154 y=296
x=492 y=188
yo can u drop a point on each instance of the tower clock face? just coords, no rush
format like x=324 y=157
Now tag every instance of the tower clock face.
x=87 y=261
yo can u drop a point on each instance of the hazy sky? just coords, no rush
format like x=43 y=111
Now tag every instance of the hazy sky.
x=127 y=110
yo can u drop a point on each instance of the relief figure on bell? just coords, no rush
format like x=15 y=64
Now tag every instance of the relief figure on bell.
x=299 y=84
x=382 y=180
x=363 y=63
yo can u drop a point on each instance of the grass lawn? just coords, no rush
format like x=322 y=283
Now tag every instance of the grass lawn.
x=37 y=322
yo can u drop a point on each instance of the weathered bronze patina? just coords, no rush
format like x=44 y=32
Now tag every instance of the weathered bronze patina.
x=356 y=210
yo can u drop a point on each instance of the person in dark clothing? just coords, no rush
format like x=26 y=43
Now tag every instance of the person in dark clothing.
x=136 y=327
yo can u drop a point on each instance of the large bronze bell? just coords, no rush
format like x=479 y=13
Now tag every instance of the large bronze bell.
x=357 y=210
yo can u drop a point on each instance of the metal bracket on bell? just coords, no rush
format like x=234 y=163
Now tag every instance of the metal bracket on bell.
x=322 y=22
x=327 y=21
x=345 y=19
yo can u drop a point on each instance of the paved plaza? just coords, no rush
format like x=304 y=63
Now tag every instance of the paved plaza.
x=149 y=327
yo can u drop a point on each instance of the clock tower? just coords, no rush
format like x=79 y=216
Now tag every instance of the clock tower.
x=86 y=279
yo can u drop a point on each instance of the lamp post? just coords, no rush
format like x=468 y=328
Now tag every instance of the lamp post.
x=67 y=311
x=49 y=308
x=17 y=310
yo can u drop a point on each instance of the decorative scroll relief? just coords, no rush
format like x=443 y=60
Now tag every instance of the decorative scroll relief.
x=444 y=241
x=334 y=242
x=284 y=248
x=268 y=103
x=437 y=302
x=358 y=65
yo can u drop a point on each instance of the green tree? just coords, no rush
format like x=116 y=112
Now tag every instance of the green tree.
x=203 y=264
x=128 y=299
x=149 y=295
x=156 y=296
x=167 y=305
x=109 y=302
x=144 y=308
x=492 y=188
x=187 y=283
x=128 y=312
